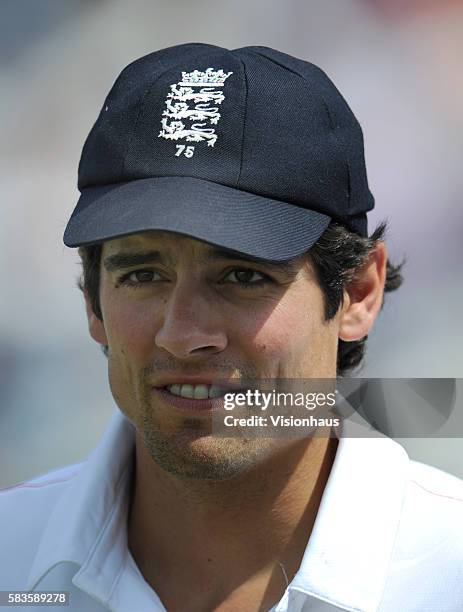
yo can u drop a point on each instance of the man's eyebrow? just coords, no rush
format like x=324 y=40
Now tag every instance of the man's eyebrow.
x=289 y=267
x=120 y=261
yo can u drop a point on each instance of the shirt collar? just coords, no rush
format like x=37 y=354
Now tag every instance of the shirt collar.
x=346 y=562
x=88 y=517
x=347 y=557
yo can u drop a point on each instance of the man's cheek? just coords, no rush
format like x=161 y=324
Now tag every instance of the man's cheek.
x=280 y=335
x=128 y=335
x=123 y=383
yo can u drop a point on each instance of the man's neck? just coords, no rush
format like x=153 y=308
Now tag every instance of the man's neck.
x=224 y=545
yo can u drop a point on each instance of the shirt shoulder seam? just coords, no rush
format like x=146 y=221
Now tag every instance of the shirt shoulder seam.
x=415 y=482
x=38 y=485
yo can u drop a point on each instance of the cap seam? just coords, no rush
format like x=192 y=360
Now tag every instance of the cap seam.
x=140 y=111
x=274 y=61
x=349 y=188
x=244 y=123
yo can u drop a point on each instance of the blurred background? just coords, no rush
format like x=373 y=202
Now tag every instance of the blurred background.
x=397 y=62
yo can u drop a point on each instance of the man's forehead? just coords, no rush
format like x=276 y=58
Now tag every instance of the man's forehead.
x=170 y=246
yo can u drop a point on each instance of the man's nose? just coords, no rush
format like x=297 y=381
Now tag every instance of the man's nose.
x=191 y=325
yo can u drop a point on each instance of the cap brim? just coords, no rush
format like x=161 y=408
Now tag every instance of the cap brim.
x=223 y=216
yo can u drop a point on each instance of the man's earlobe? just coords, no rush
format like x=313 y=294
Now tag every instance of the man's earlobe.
x=95 y=325
x=363 y=297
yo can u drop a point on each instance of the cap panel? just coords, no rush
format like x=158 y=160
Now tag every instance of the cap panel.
x=104 y=152
x=290 y=150
x=188 y=128
x=346 y=132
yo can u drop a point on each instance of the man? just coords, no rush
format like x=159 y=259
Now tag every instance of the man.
x=223 y=233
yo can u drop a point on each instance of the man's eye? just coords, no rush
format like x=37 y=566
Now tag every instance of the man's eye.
x=246 y=276
x=140 y=277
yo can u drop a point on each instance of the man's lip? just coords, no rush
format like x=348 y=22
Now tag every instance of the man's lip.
x=206 y=405
x=232 y=384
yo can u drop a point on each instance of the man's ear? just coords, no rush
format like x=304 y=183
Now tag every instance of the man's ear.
x=95 y=325
x=363 y=296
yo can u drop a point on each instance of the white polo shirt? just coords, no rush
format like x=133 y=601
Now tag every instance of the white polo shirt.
x=388 y=536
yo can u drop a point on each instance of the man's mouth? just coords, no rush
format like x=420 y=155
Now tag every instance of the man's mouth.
x=199 y=392
x=200 y=397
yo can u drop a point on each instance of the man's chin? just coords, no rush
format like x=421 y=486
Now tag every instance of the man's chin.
x=194 y=454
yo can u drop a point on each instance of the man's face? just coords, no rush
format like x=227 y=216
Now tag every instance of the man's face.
x=174 y=307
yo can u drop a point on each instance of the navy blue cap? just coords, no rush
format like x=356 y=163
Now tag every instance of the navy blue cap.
x=251 y=150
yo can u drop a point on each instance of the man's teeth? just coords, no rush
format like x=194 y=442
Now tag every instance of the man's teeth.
x=196 y=391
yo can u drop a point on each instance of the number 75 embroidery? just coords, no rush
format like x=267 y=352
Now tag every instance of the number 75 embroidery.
x=186 y=151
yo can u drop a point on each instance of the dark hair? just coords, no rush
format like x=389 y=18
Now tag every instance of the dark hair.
x=337 y=256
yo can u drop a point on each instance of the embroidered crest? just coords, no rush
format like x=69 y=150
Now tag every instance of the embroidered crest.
x=192 y=108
